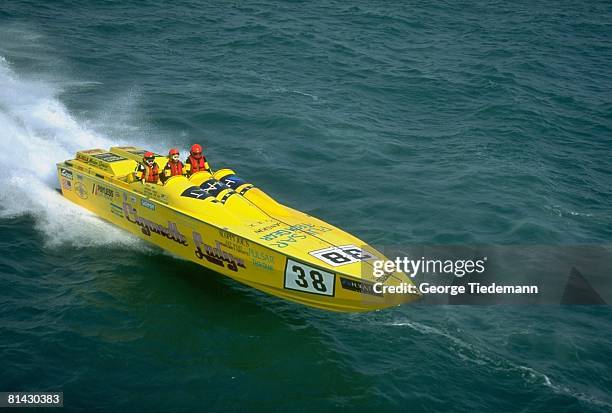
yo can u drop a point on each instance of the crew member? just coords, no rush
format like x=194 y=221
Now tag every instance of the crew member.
x=148 y=170
x=196 y=161
x=174 y=166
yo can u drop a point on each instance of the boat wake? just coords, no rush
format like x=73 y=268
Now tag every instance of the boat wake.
x=473 y=354
x=37 y=132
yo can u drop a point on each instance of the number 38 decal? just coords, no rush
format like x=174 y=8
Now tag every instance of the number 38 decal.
x=302 y=277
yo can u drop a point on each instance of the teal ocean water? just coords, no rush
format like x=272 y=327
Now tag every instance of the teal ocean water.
x=404 y=123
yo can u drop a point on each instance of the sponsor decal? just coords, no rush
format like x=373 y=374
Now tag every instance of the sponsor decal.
x=262 y=260
x=283 y=237
x=268 y=227
x=359 y=286
x=139 y=152
x=234 y=242
x=153 y=191
x=308 y=279
x=132 y=198
x=171 y=231
x=209 y=188
x=103 y=191
x=233 y=181
x=264 y=226
x=215 y=254
x=66 y=173
x=117 y=210
x=147 y=204
x=195 y=192
x=66 y=184
x=80 y=190
x=345 y=254
x=108 y=157
x=213 y=187
x=233 y=238
x=94 y=160
x=383 y=278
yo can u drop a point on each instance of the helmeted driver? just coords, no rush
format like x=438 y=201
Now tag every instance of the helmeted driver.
x=196 y=161
x=148 y=170
x=174 y=166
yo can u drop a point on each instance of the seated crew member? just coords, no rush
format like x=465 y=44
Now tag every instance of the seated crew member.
x=148 y=170
x=196 y=161
x=173 y=167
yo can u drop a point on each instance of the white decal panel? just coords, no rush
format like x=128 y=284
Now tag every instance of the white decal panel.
x=342 y=255
x=303 y=277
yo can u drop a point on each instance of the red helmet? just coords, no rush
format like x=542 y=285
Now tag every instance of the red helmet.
x=173 y=151
x=148 y=155
x=196 y=149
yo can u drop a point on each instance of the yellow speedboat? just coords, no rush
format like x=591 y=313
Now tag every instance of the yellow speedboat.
x=226 y=224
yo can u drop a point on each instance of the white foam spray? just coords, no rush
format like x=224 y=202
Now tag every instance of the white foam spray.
x=37 y=131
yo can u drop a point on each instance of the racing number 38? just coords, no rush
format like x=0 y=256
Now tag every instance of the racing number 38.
x=302 y=277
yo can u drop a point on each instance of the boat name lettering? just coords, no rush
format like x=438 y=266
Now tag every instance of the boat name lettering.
x=171 y=231
x=215 y=254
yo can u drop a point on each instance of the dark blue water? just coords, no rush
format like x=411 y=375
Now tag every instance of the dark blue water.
x=407 y=123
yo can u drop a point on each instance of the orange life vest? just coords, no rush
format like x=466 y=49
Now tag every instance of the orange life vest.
x=197 y=164
x=176 y=168
x=151 y=173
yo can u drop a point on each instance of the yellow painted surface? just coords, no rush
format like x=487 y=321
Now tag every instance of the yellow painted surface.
x=226 y=224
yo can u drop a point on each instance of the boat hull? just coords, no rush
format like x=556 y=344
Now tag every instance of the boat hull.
x=217 y=248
